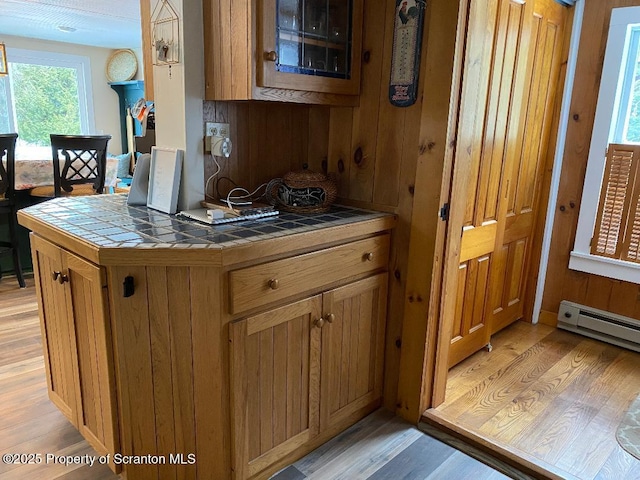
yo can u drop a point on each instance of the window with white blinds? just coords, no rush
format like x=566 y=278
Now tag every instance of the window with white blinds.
x=617 y=228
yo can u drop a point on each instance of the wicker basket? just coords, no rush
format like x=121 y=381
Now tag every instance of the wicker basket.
x=302 y=192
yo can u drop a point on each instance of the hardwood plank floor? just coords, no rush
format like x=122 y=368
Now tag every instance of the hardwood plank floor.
x=29 y=422
x=384 y=447
x=380 y=447
x=551 y=396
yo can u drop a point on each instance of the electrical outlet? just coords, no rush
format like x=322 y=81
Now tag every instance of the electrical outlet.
x=213 y=130
x=216 y=129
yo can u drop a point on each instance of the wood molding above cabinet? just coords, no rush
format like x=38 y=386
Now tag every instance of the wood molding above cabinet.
x=236 y=68
x=147 y=60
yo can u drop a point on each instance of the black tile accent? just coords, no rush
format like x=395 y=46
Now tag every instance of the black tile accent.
x=220 y=238
x=201 y=232
x=245 y=233
x=269 y=229
x=310 y=221
x=172 y=237
x=108 y=220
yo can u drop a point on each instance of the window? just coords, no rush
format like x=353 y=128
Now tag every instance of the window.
x=44 y=93
x=608 y=234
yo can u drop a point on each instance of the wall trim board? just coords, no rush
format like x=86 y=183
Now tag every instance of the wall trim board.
x=444 y=54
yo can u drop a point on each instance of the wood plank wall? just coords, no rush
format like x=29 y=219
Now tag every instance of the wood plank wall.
x=269 y=139
x=561 y=283
x=372 y=149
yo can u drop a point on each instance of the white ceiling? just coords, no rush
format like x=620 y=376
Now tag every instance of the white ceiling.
x=100 y=23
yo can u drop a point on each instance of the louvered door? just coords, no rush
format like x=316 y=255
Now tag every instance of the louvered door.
x=631 y=246
x=275 y=381
x=617 y=230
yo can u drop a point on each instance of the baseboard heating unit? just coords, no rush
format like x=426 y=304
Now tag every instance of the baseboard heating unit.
x=601 y=325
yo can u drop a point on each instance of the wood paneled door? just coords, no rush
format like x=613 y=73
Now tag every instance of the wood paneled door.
x=352 y=348
x=57 y=328
x=302 y=369
x=275 y=381
x=511 y=259
x=510 y=69
x=76 y=332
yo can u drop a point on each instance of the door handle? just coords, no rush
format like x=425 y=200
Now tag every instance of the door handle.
x=62 y=278
x=271 y=56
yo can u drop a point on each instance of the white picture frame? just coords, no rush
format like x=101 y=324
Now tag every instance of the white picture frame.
x=164 y=179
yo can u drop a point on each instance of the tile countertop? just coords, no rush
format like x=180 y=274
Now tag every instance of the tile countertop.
x=106 y=221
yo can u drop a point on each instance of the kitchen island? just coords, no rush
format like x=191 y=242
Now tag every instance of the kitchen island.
x=196 y=351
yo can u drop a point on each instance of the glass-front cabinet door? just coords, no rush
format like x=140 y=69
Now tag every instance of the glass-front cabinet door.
x=312 y=45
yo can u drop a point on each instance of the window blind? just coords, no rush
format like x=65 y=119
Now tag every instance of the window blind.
x=617 y=230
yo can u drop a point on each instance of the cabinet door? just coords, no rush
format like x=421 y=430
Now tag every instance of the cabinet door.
x=275 y=364
x=312 y=45
x=352 y=349
x=56 y=324
x=96 y=399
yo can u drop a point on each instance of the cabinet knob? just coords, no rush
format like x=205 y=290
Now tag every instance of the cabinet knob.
x=368 y=256
x=55 y=275
x=62 y=278
x=271 y=56
x=330 y=317
x=274 y=283
x=319 y=322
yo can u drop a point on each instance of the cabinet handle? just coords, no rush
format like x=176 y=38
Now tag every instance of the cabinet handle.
x=63 y=278
x=368 y=256
x=274 y=283
x=271 y=56
x=319 y=322
x=55 y=276
x=330 y=317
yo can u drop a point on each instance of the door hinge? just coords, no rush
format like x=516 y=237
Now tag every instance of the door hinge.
x=444 y=212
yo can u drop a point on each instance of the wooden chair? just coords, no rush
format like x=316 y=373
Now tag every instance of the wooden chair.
x=84 y=168
x=8 y=201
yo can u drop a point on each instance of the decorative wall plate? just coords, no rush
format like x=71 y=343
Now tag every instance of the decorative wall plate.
x=407 y=42
x=122 y=66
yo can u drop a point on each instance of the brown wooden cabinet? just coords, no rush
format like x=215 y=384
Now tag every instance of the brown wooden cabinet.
x=352 y=349
x=275 y=375
x=304 y=369
x=77 y=347
x=151 y=370
x=306 y=51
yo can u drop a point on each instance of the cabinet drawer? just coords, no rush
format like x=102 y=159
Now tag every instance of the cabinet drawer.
x=262 y=284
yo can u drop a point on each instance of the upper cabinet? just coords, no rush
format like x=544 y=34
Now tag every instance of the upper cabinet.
x=304 y=51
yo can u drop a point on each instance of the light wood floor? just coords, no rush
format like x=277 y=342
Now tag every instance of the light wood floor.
x=551 y=396
x=380 y=447
x=29 y=422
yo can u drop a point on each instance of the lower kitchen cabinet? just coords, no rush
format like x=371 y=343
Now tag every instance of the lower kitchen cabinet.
x=77 y=343
x=352 y=349
x=221 y=361
x=302 y=369
x=275 y=375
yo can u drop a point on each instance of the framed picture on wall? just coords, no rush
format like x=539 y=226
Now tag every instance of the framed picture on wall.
x=164 y=179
